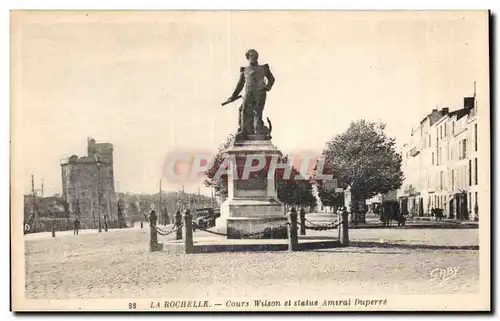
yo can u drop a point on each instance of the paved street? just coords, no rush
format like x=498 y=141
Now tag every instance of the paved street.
x=118 y=264
x=373 y=221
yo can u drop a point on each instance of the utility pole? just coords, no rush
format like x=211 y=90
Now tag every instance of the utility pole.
x=198 y=200
x=160 y=211
x=78 y=202
x=108 y=213
x=42 y=188
x=98 y=202
x=92 y=209
x=183 y=198
x=33 y=194
x=98 y=165
x=159 y=205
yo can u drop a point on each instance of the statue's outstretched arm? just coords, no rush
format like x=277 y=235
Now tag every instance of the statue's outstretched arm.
x=240 y=85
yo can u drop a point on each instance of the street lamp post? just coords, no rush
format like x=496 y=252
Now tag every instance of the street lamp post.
x=106 y=216
x=98 y=164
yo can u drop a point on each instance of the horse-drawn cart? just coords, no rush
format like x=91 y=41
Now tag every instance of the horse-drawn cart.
x=389 y=211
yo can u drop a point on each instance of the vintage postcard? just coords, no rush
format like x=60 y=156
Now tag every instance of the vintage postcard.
x=250 y=161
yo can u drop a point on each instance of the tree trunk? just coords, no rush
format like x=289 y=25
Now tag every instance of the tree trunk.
x=358 y=215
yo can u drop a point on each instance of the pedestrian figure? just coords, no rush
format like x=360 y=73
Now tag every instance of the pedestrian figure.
x=105 y=222
x=76 y=226
x=153 y=218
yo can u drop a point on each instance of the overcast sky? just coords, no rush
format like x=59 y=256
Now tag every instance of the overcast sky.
x=152 y=83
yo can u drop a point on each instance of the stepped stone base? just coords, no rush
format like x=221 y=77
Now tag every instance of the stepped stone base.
x=252 y=209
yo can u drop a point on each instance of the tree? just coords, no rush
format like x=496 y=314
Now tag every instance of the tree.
x=364 y=159
x=218 y=184
x=294 y=190
x=329 y=197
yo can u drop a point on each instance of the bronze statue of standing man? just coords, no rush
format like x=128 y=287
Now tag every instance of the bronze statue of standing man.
x=257 y=81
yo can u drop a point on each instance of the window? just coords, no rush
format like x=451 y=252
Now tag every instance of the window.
x=462 y=149
x=470 y=172
x=432 y=158
x=441 y=132
x=430 y=143
x=445 y=129
x=470 y=201
x=452 y=179
x=475 y=170
x=475 y=137
x=453 y=128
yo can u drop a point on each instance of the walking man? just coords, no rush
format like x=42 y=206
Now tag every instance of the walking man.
x=76 y=226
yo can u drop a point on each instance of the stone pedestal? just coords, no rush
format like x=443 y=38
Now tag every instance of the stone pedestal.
x=252 y=206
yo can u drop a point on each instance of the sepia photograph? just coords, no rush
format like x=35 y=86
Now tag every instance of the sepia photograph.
x=239 y=161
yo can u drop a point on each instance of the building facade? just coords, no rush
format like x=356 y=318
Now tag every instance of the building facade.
x=441 y=163
x=378 y=199
x=88 y=186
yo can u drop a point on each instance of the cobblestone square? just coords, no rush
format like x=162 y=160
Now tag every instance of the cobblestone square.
x=118 y=264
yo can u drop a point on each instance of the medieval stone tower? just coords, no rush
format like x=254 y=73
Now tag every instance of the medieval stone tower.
x=89 y=187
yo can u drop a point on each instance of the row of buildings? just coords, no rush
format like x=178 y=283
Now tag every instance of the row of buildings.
x=441 y=163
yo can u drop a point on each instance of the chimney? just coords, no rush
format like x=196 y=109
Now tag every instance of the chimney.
x=469 y=102
x=445 y=110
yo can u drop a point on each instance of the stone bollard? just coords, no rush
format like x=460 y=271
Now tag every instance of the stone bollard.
x=293 y=242
x=302 y=214
x=344 y=228
x=188 y=232
x=153 y=243
x=53 y=231
x=178 y=223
